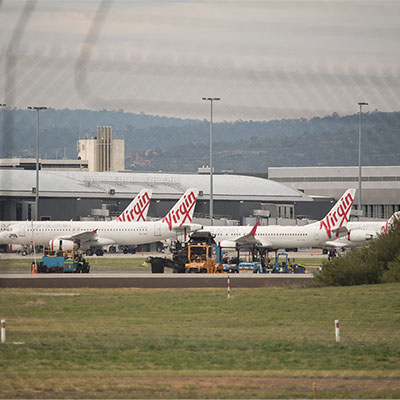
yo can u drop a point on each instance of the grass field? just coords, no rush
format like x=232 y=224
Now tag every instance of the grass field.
x=195 y=343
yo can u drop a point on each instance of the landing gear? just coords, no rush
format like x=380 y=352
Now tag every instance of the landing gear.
x=128 y=249
x=98 y=252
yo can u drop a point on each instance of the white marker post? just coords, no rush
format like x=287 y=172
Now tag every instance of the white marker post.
x=337 y=330
x=3 y=331
x=229 y=288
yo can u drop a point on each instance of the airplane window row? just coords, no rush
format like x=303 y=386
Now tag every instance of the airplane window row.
x=268 y=234
x=86 y=230
x=121 y=230
x=47 y=230
x=281 y=234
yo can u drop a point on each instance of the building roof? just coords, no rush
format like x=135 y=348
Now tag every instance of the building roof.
x=127 y=184
x=30 y=163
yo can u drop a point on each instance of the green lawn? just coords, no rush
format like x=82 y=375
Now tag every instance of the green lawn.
x=191 y=343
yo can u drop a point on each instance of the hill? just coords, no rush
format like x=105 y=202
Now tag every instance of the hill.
x=156 y=143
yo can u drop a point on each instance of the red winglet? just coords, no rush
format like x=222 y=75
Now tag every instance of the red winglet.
x=95 y=231
x=253 y=231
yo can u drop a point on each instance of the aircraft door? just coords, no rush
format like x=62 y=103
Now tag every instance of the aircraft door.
x=21 y=232
x=157 y=229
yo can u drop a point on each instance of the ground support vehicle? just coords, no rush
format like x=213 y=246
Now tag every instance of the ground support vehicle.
x=61 y=262
x=203 y=258
x=230 y=268
x=281 y=265
x=202 y=255
x=199 y=255
x=249 y=266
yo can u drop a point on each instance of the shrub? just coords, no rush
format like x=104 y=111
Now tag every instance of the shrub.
x=376 y=262
x=392 y=274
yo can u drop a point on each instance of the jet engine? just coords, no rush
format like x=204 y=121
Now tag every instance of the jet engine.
x=59 y=244
x=17 y=247
x=361 y=235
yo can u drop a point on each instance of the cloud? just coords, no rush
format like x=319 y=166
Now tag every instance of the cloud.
x=266 y=59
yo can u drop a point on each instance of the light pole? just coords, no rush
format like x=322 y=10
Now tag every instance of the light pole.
x=4 y=105
x=37 y=158
x=211 y=100
x=359 y=158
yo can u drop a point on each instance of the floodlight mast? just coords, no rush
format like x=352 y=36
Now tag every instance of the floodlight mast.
x=359 y=158
x=211 y=100
x=37 y=109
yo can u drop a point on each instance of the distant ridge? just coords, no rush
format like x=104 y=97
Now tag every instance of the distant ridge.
x=156 y=143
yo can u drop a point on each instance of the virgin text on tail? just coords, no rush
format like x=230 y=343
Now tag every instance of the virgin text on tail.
x=339 y=214
x=179 y=215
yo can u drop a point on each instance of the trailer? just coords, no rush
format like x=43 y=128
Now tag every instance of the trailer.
x=60 y=262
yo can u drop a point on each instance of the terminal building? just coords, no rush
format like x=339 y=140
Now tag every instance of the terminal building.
x=80 y=195
x=380 y=185
x=289 y=196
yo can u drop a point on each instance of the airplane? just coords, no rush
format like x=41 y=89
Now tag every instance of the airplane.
x=136 y=211
x=89 y=235
x=362 y=231
x=274 y=237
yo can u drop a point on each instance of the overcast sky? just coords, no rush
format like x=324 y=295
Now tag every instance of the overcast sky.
x=265 y=59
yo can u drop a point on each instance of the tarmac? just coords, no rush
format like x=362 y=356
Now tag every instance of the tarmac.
x=140 y=279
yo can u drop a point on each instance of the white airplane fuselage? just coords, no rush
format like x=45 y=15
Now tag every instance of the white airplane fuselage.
x=67 y=234
x=273 y=236
x=100 y=233
x=276 y=237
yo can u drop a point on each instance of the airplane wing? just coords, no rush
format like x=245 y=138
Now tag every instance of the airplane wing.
x=89 y=236
x=248 y=240
x=244 y=243
x=83 y=236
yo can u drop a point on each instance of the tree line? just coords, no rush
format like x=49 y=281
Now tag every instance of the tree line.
x=154 y=143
